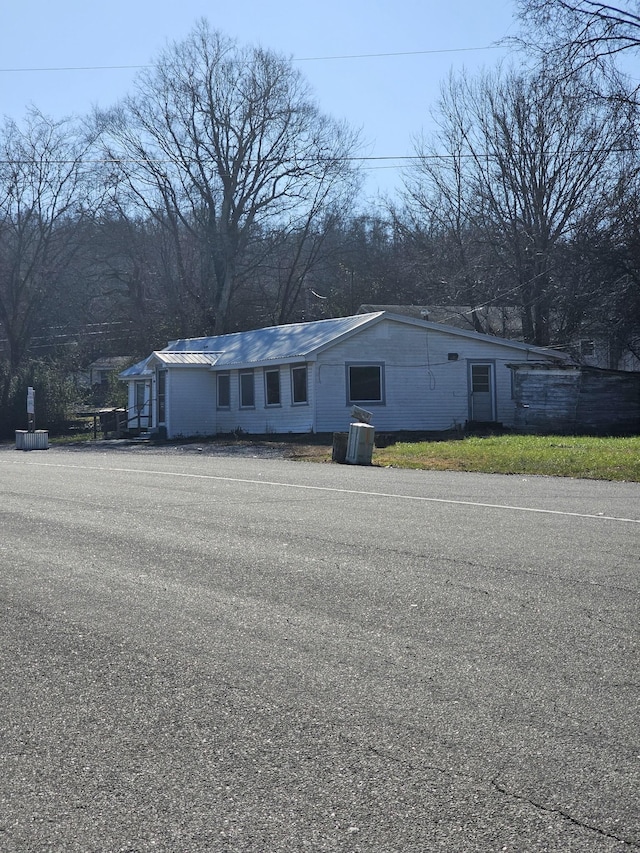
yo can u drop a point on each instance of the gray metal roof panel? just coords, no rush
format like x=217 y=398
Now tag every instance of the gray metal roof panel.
x=141 y=368
x=290 y=342
x=275 y=343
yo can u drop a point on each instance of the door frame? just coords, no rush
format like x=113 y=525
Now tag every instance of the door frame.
x=491 y=364
x=142 y=408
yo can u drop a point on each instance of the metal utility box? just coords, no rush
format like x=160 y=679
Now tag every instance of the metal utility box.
x=360 y=444
x=36 y=440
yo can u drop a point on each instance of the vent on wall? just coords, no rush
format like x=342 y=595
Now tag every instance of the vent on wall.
x=452 y=356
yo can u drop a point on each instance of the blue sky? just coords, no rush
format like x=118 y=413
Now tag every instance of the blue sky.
x=387 y=96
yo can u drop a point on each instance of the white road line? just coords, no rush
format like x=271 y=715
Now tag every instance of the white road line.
x=333 y=489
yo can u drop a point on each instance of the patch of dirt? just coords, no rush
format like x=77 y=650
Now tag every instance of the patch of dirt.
x=265 y=449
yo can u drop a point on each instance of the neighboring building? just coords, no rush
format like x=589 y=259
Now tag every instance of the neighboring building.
x=505 y=321
x=412 y=374
x=99 y=371
x=97 y=376
x=600 y=352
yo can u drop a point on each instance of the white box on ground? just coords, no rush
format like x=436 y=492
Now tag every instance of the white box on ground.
x=360 y=444
x=36 y=440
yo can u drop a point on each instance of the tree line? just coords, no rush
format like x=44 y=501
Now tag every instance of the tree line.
x=217 y=196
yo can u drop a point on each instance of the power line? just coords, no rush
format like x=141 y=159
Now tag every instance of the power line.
x=76 y=68
x=294 y=59
x=399 y=53
x=388 y=161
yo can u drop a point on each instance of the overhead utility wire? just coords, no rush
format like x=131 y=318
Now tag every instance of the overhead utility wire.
x=294 y=59
x=399 y=53
x=390 y=159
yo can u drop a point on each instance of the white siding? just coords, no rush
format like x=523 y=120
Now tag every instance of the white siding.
x=263 y=419
x=191 y=407
x=424 y=389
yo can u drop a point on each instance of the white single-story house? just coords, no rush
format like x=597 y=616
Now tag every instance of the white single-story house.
x=99 y=371
x=412 y=374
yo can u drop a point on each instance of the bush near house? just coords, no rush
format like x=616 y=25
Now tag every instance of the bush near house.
x=56 y=395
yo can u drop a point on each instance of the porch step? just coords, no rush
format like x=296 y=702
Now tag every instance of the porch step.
x=484 y=427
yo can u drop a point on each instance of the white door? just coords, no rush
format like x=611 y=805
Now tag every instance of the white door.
x=142 y=414
x=481 y=392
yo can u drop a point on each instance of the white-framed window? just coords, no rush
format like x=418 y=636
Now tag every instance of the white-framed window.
x=223 y=391
x=247 y=390
x=365 y=382
x=299 y=394
x=272 y=387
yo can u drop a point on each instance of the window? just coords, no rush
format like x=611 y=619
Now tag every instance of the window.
x=481 y=378
x=587 y=349
x=365 y=383
x=272 y=387
x=299 y=384
x=247 y=390
x=224 y=391
x=162 y=396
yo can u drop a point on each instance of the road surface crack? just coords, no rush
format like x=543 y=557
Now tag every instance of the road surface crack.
x=564 y=815
x=501 y=789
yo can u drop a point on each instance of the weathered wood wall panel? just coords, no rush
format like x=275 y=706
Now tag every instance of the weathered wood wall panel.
x=576 y=399
x=545 y=399
x=609 y=401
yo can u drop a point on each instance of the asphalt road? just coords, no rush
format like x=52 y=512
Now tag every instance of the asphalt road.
x=221 y=653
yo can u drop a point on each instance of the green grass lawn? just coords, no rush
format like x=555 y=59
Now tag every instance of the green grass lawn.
x=558 y=456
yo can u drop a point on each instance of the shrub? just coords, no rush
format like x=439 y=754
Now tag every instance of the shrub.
x=56 y=394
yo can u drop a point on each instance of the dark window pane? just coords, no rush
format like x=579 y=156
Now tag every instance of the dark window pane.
x=299 y=382
x=162 y=396
x=247 y=396
x=224 y=391
x=365 y=383
x=272 y=384
x=480 y=378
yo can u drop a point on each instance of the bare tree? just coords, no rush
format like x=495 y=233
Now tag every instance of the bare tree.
x=45 y=195
x=590 y=27
x=442 y=213
x=518 y=161
x=223 y=141
x=580 y=34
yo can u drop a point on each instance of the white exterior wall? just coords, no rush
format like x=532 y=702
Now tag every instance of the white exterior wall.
x=424 y=390
x=263 y=419
x=191 y=402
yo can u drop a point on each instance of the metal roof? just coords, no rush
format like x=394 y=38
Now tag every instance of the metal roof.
x=141 y=368
x=296 y=341
x=186 y=359
x=275 y=343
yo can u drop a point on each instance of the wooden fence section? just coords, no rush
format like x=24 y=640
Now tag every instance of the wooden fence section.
x=576 y=399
